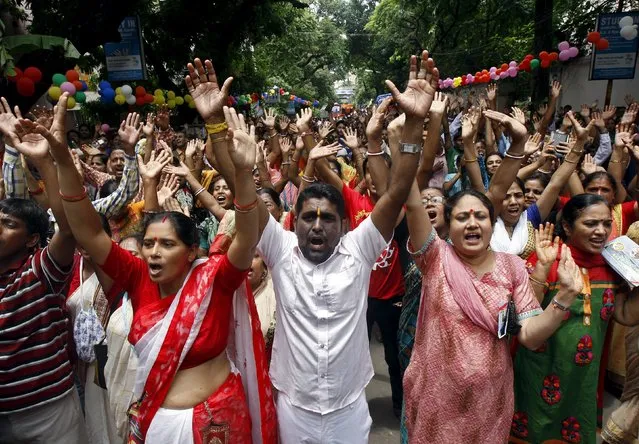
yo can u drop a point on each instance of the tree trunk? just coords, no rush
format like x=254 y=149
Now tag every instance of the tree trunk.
x=543 y=42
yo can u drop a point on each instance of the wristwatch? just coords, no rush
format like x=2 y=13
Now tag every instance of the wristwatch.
x=409 y=148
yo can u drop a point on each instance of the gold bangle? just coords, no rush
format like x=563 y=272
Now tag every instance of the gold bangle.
x=218 y=139
x=614 y=161
x=470 y=160
x=538 y=282
x=214 y=128
x=307 y=179
x=571 y=161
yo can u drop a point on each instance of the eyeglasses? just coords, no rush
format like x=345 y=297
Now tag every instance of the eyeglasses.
x=434 y=200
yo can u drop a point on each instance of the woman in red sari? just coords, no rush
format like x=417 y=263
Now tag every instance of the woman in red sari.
x=188 y=388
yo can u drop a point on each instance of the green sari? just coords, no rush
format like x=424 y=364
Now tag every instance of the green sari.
x=556 y=385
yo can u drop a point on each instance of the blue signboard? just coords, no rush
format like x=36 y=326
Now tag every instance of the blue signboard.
x=619 y=60
x=125 y=60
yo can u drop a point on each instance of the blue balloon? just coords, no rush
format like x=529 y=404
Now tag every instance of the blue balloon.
x=104 y=85
x=108 y=95
x=84 y=85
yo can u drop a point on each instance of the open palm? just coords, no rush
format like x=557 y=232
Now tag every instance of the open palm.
x=202 y=84
x=415 y=101
x=243 y=149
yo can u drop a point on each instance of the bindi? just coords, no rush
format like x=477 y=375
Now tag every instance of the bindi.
x=319 y=212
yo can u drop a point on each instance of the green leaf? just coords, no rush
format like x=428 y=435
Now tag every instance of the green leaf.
x=18 y=45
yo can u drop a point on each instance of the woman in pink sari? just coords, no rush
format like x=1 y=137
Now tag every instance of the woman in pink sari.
x=458 y=386
x=190 y=387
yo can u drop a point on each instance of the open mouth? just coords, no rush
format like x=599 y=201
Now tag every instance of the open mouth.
x=432 y=214
x=221 y=199
x=317 y=242
x=155 y=269
x=472 y=238
x=598 y=242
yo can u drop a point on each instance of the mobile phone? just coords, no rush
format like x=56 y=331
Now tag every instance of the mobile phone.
x=558 y=136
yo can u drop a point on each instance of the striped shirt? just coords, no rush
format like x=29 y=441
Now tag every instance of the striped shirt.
x=34 y=360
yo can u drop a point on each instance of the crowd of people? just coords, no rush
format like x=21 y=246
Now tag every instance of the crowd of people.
x=161 y=289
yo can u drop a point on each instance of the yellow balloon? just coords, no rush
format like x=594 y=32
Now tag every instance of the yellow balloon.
x=188 y=98
x=70 y=103
x=171 y=103
x=158 y=92
x=191 y=104
x=120 y=99
x=118 y=90
x=179 y=100
x=55 y=92
x=170 y=95
x=159 y=100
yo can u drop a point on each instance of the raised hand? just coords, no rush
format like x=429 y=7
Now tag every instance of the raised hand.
x=243 y=149
x=416 y=100
x=161 y=119
x=9 y=120
x=376 y=122
x=286 y=146
x=545 y=247
x=470 y=122
x=491 y=92
x=261 y=152
x=439 y=105
x=570 y=278
x=536 y=122
x=191 y=150
x=269 y=118
x=542 y=108
x=32 y=134
x=180 y=171
x=623 y=134
x=585 y=110
x=350 y=138
x=580 y=131
x=304 y=119
x=555 y=89
x=130 y=129
x=284 y=122
x=533 y=145
x=153 y=168
x=609 y=112
x=149 y=127
x=325 y=128
x=631 y=114
x=167 y=188
x=516 y=129
x=519 y=115
x=588 y=166
x=598 y=120
x=208 y=97
x=629 y=99
x=321 y=151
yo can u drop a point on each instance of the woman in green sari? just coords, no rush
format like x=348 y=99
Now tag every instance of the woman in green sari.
x=556 y=385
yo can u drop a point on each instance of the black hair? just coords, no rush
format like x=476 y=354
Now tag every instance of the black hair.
x=28 y=211
x=102 y=157
x=321 y=190
x=520 y=184
x=273 y=195
x=137 y=237
x=599 y=175
x=451 y=203
x=72 y=132
x=184 y=227
x=105 y=224
x=108 y=187
x=543 y=178
x=573 y=209
x=495 y=153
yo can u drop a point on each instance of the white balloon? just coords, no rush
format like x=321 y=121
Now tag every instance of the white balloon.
x=130 y=100
x=127 y=90
x=625 y=21
x=629 y=32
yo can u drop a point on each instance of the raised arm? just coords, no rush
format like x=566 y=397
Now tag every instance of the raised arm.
x=507 y=171
x=376 y=164
x=415 y=102
x=273 y=136
x=555 y=91
x=149 y=132
x=317 y=154
x=470 y=123
x=432 y=143
x=150 y=173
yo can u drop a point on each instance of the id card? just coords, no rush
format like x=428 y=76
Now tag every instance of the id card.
x=502 y=321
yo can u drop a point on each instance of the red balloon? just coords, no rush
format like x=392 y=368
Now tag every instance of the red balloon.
x=140 y=91
x=499 y=70
x=72 y=75
x=26 y=87
x=19 y=74
x=463 y=80
x=484 y=71
x=543 y=55
x=529 y=57
x=33 y=73
x=78 y=85
x=553 y=56
x=602 y=44
x=140 y=100
x=148 y=98
x=594 y=37
x=545 y=63
x=504 y=67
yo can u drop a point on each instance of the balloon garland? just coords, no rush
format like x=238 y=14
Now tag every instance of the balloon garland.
x=510 y=70
x=26 y=80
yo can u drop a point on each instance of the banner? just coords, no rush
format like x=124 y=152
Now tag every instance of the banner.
x=619 y=60
x=125 y=60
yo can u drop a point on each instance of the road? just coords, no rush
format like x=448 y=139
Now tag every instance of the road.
x=385 y=428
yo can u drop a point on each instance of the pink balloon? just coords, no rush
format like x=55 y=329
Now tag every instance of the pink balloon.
x=493 y=75
x=513 y=64
x=512 y=71
x=105 y=127
x=564 y=55
x=68 y=87
x=493 y=69
x=563 y=46
x=573 y=52
x=503 y=74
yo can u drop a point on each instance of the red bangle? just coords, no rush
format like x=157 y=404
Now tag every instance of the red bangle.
x=36 y=192
x=245 y=208
x=77 y=198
